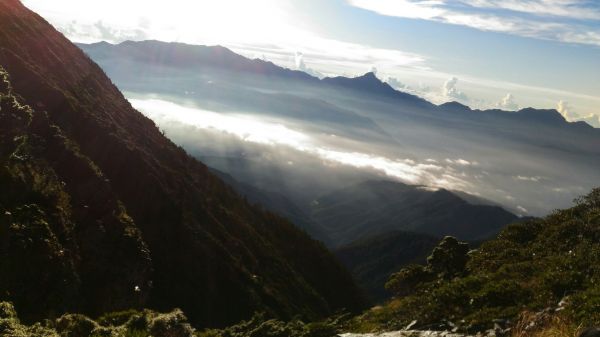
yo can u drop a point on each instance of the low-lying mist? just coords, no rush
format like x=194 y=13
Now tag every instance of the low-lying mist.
x=303 y=165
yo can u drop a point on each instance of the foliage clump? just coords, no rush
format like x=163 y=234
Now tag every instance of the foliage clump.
x=130 y=323
x=447 y=261
x=173 y=324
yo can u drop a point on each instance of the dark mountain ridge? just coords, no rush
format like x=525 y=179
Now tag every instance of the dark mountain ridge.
x=140 y=222
x=376 y=207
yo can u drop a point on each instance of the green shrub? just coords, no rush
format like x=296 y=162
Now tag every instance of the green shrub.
x=75 y=325
x=117 y=318
x=449 y=258
x=7 y=311
x=406 y=281
x=173 y=324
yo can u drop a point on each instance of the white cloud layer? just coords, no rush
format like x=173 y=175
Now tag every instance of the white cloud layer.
x=570 y=115
x=263 y=131
x=451 y=92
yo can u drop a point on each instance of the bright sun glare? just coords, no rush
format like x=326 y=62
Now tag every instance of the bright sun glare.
x=207 y=21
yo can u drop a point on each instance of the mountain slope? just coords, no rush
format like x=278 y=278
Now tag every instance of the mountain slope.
x=375 y=207
x=374 y=259
x=193 y=241
x=547 y=265
x=277 y=203
x=61 y=222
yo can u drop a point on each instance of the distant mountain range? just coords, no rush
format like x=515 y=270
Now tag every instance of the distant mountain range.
x=531 y=161
x=181 y=55
x=100 y=212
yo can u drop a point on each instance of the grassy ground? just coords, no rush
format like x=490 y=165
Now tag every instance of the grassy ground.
x=536 y=325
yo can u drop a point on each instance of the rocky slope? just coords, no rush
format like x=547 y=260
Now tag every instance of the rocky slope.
x=110 y=214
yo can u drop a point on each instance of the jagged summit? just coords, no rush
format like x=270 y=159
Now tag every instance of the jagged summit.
x=369 y=76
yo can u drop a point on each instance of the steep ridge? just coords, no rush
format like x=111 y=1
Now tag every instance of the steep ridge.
x=61 y=222
x=176 y=234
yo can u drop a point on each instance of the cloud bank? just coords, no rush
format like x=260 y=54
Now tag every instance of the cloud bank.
x=508 y=103
x=451 y=92
x=266 y=132
x=570 y=21
x=570 y=115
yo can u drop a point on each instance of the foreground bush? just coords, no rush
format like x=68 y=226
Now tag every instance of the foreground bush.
x=120 y=324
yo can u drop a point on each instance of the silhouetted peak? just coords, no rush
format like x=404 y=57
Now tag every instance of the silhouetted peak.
x=542 y=115
x=444 y=194
x=454 y=106
x=372 y=80
x=369 y=76
x=366 y=83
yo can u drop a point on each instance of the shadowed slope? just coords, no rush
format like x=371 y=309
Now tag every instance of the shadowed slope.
x=213 y=255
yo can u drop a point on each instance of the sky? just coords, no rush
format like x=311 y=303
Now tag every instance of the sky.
x=506 y=54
